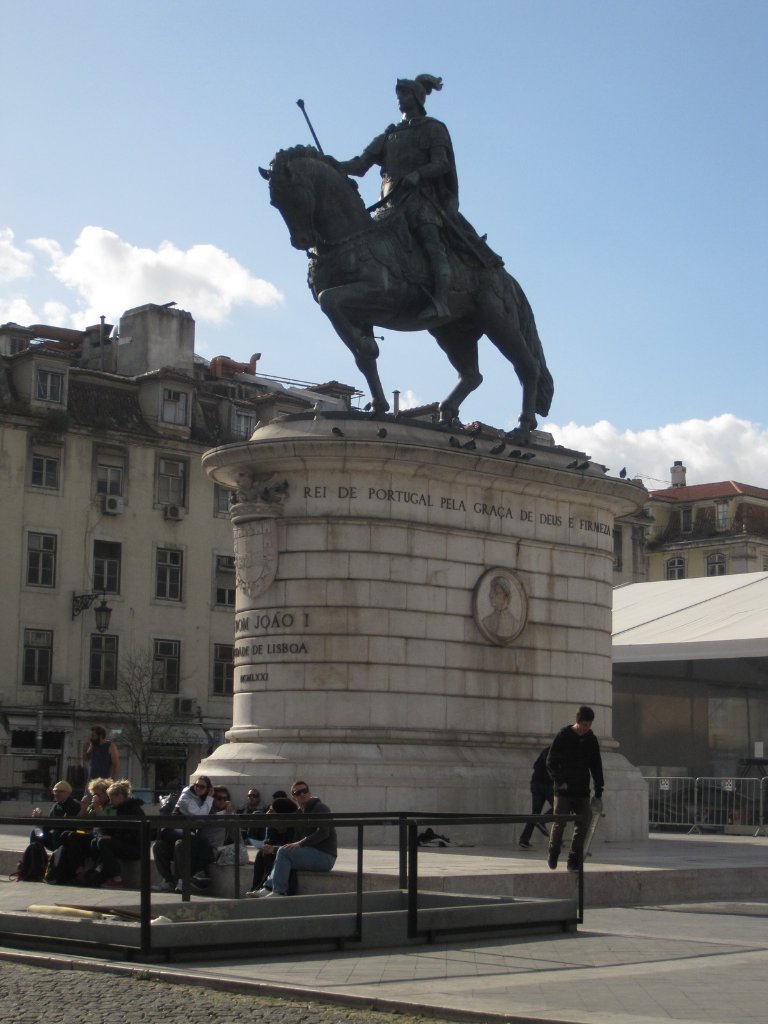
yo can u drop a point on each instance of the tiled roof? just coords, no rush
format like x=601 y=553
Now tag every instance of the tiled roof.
x=207 y=425
x=107 y=408
x=701 y=492
x=419 y=410
x=334 y=387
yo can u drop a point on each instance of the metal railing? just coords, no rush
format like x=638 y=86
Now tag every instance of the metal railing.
x=407 y=824
x=708 y=803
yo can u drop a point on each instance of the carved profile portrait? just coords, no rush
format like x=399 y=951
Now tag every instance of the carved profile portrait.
x=500 y=606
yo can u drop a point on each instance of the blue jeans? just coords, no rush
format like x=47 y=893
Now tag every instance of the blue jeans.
x=305 y=858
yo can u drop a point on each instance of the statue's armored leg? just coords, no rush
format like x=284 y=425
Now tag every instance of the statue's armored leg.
x=432 y=243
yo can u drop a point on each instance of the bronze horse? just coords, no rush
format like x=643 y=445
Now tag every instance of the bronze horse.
x=367 y=272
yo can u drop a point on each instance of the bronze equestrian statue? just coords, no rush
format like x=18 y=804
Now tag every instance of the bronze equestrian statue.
x=417 y=264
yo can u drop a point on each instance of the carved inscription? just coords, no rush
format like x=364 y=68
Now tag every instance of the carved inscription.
x=490 y=510
x=268 y=635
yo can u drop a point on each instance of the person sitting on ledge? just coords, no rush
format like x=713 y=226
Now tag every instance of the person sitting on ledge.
x=276 y=835
x=315 y=850
x=116 y=844
x=253 y=835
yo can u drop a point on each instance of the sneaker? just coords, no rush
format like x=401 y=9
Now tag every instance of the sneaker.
x=164 y=886
x=258 y=894
x=573 y=863
x=552 y=858
x=524 y=845
x=113 y=883
x=273 y=892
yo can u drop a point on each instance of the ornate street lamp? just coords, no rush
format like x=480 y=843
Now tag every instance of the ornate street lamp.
x=80 y=602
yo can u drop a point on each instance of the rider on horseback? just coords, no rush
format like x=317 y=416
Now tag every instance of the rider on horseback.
x=418 y=174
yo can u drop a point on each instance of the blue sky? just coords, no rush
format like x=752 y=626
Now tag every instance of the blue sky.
x=614 y=152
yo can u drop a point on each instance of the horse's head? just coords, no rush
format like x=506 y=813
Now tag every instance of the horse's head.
x=310 y=194
x=292 y=192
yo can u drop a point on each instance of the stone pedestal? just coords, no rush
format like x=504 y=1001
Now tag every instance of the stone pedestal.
x=416 y=617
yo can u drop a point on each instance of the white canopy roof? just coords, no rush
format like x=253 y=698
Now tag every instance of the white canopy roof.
x=678 y=620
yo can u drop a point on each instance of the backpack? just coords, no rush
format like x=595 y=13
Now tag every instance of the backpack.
x=31 y=867
x=167 y=804
x=430 y=838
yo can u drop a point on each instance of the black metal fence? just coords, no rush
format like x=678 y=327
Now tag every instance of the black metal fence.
x=408 y=825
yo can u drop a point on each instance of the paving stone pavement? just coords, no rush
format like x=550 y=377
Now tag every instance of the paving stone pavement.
x=702 y=963
x=36 y=995
x=692 y=963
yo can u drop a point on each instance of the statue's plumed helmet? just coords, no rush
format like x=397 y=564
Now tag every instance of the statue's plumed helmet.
x=421 y=86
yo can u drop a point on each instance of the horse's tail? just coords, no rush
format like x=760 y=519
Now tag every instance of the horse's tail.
x=546 y=386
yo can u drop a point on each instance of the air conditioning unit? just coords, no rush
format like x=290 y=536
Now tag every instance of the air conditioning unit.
x=113 y=505
x=57 y=693
x=183 y=706
x=174 y=512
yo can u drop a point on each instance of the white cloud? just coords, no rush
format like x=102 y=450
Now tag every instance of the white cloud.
x=409 y=400
x=109 y=275
x=14 y=262
x=722 y=448
x=17 y=311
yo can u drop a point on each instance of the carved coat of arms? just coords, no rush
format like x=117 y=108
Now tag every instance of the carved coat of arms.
x=255 y=555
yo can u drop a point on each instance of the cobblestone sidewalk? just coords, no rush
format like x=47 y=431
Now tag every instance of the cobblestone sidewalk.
x=36 y=995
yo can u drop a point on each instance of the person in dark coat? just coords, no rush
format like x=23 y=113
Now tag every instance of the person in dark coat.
x=574 y=756
x=276 y=835
x=314 y=849
x=253 y=835
x=115 y=844
x=34 y=861
x=541 y=793
x=64 y=806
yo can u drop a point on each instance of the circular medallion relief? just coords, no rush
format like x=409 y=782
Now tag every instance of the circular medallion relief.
x=499 y=606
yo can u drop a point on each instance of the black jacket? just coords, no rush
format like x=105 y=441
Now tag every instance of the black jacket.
x=571 y=761
x=69 y=808
x=541 y=779
x=130 y=808
x=322 y=837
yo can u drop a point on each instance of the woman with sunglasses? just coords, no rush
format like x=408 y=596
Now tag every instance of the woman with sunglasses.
x=196 y=800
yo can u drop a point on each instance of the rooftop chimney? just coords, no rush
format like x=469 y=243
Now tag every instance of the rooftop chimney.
x=677 y=474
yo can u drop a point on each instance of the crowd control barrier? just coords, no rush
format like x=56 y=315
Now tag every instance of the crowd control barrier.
x=708 y=803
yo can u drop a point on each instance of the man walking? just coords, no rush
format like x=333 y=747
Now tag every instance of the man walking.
x=541 y=793
x=573 y=757
x=315 y=850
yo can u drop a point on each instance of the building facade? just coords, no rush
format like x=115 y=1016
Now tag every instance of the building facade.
x=713 y=529
x=105 y=504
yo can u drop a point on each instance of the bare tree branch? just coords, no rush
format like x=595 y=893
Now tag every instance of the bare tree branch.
x=147 y=714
